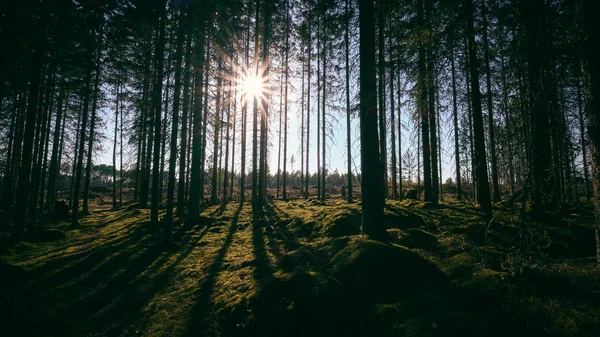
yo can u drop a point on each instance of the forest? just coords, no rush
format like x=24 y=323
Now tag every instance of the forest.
x=300 y=168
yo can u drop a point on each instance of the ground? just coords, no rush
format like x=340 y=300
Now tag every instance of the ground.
x=304 y=269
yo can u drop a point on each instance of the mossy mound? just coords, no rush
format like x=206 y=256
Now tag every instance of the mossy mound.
x=48 y=235
x=418 y=238
x=385 y=273
x=341 y=222
x=298 y=259
x=402 y=219
x=295 y=304
x=299 y=227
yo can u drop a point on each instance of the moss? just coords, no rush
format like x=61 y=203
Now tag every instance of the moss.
x=402 y=219
x=295 y=304
x=340 y=222
x=487 y=279
x=384 y=272
x=460 y=266
x=491 y=258
x=418 y=238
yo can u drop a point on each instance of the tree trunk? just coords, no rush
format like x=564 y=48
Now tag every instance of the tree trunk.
x=306 y=192
x=168 y=221
x=586 y=175
x=285 y=113
x=456 y=144
x=490 y=106
x=88 y=170
x=56 y=139
x=84 y=118
x=114 y=155
x=195 y=171
x=393 y=122
x=483 y=188
x=423 y=109
x=159 y=61
x=381 y=115
x=184 y=120
x=323 y=125
x=372 y=187
x=217 y=125
x=348 y=111
x=590 y=66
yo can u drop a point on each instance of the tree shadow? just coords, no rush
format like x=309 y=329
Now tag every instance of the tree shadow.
x=103 y=285
x=199 y=315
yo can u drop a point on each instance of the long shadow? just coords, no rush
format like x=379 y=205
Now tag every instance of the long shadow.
x=113 y=270
x=289 y=239
x=200 y=314
x=129 y=306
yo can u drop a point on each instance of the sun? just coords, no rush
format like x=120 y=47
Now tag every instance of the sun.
x=253 y=86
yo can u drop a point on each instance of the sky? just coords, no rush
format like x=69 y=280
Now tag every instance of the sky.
x=336 y=143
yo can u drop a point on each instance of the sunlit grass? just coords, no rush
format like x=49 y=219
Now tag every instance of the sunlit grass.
x=113 y=273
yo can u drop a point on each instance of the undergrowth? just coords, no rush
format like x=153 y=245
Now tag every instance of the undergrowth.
x=304 y=269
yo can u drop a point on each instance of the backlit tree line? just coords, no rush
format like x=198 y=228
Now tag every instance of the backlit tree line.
x=196 y=98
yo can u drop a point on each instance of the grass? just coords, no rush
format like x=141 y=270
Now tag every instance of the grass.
x=303 y=269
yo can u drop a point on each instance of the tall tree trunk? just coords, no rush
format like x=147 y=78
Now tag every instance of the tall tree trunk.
x=279 y=139
x=88 y=170
x=323 y=125
x=423 y=109
x=373 y=199
x=168 y=221
x=244 y=128
x=184 y=120
x=285 y=113
x=318 y=108
x=590 y=66
x=306 y=192
x=393 y=121
x=483 y=188
x=586 y=175
x=431 y=92
x=490 y=106
x=381 y=115
x=159 y=61
x=43 y=148
x=56 y=139
x=217 y=125
x=227 y=139
x=84 y=117
x=203 y=146
x=195 y=171
x=264 y=105
x=456 y=144
x=255 y=186
x=114 y=154
x=348 y=110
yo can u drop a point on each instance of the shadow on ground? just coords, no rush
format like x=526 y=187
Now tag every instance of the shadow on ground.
x=299 y=268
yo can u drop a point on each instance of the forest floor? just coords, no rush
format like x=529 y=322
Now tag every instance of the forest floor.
x=304 y=270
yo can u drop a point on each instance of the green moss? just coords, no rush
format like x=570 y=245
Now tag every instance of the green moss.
x=384 y=272
x=340 y=222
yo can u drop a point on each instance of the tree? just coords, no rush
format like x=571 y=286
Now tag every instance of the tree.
x=483 y=188
x=590 y=66
x=372 y=174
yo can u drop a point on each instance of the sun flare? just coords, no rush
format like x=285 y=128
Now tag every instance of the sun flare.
x=253 y=86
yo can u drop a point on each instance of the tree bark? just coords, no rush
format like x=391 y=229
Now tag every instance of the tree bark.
x=372 y=187
x=483 y=188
